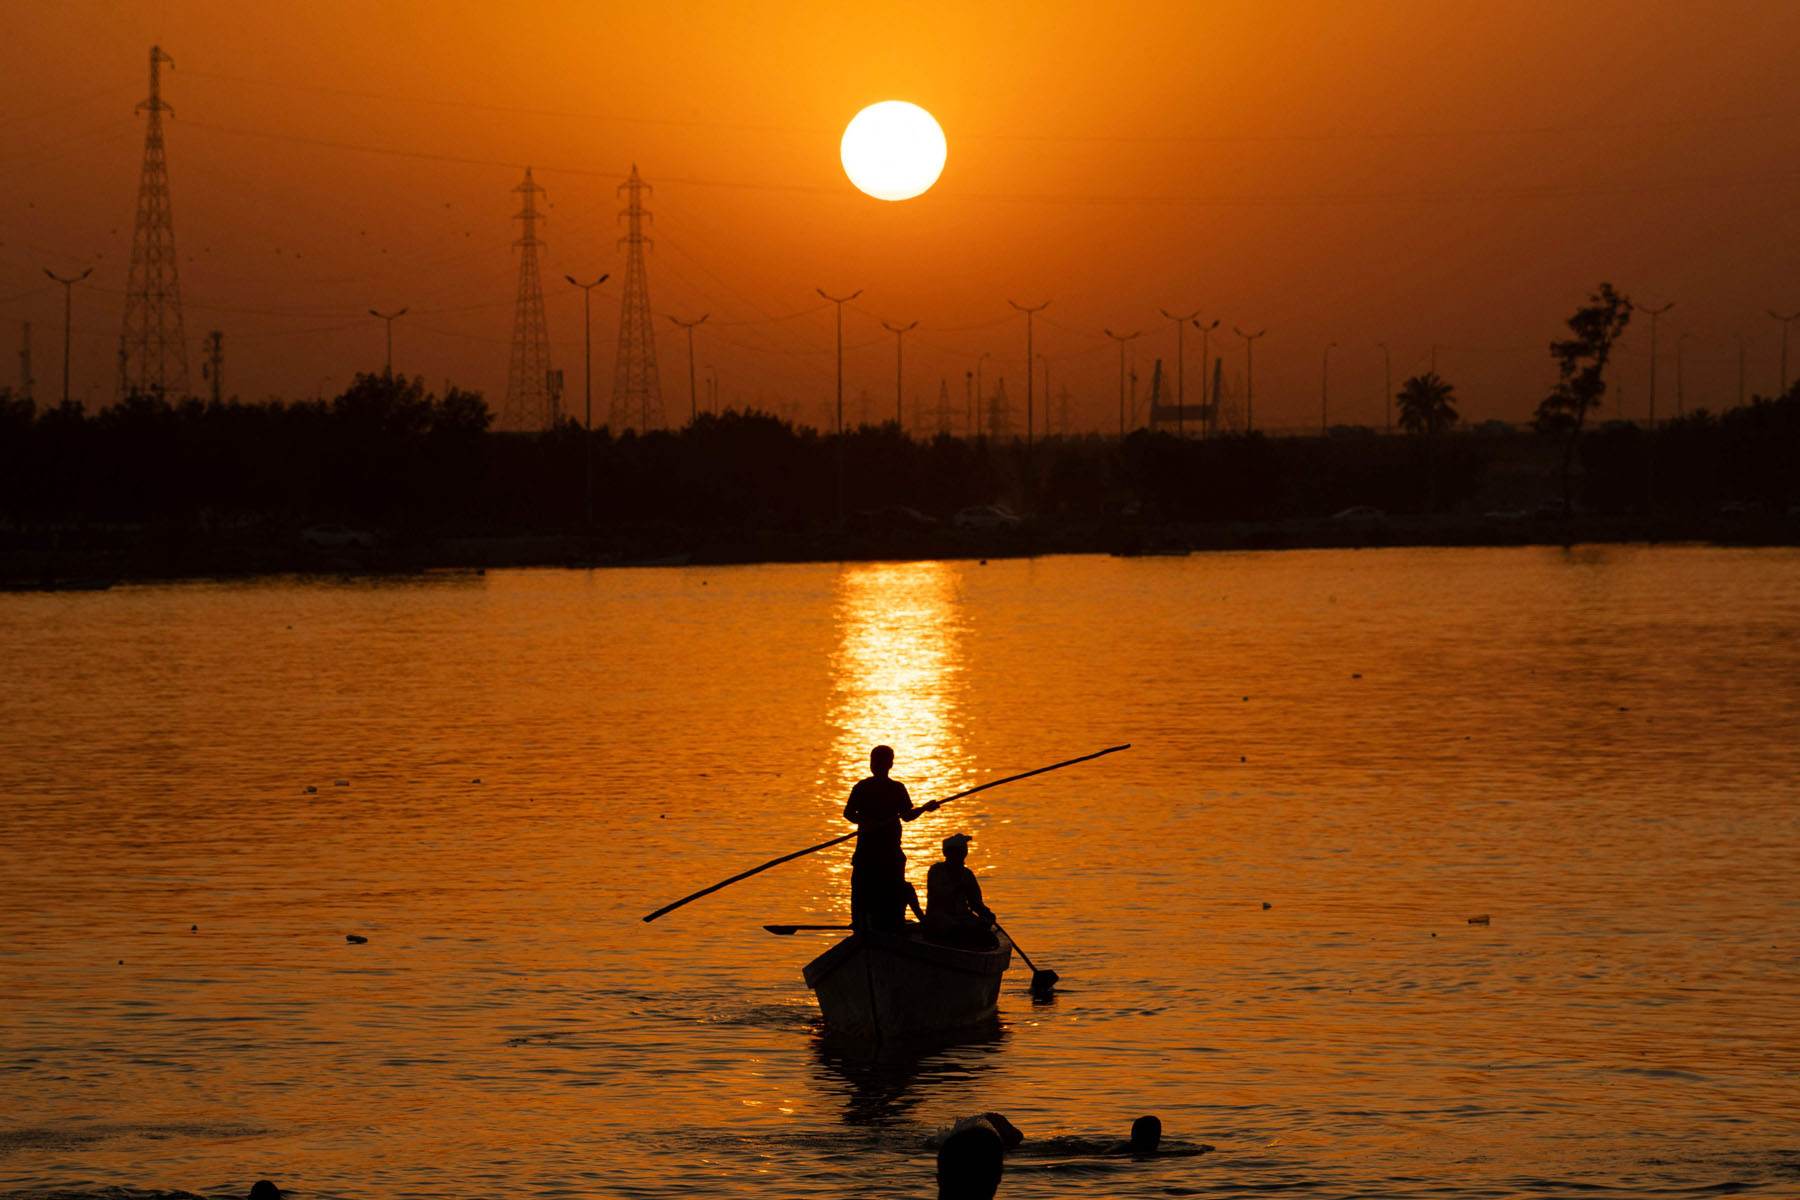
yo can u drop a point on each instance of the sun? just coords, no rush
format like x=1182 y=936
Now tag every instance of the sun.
x=893 y=150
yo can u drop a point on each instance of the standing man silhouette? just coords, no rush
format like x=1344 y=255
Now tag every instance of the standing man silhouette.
x=878 y=804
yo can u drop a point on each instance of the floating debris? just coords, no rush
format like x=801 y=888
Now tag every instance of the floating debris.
x=477 y=779
x=1357 y=675
x=355 y=939
x=193 y=929
x=309 y=790
x=340 y=783
x=1481 y=920
x=1267 y=906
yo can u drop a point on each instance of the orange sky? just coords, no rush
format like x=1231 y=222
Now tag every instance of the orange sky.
x=1416 y=173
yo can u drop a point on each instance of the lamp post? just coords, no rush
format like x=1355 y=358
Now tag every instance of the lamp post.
x=1325 y=391
x=1047 y=400
x=68 y=308
x=712 y=382
x=1030 y=372
x=587 y=389
x=693 y=410
x=1121 y=338
x=899 y=331
x=840 y=301
x=1387 y=387
x=390 y=318
x=1181 y=324
x=1785 y=322
x=1205 y=373
x=1654 y=313
x=1249 y=376
x=978 y=365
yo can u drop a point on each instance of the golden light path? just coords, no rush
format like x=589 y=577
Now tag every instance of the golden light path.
x=899 y=676
x=893 y=150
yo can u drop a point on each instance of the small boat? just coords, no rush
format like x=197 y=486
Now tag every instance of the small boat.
x=891 y=986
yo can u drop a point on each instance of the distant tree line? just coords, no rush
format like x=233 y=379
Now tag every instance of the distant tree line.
x=387 y=454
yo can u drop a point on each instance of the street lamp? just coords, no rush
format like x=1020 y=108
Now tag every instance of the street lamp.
x=840 y=301
x=1030 y=375
x=1121 y=338
x=1249 y=376
x=1181 y=324
x=1325 y=391
x=587 y=388
x=390 y=318
x=68 y=303
x=898 y=331
x=693 y=411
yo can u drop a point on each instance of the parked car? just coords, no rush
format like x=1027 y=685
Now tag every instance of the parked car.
x=893 y=518
x=336 y=536
x=988 y=516
x=1360 y=514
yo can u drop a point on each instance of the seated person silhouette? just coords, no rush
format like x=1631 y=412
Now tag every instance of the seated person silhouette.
x=954 y=911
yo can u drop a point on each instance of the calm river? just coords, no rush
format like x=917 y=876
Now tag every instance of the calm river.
x=1261 y=913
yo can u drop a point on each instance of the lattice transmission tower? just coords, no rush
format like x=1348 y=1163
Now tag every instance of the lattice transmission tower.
x=531 y=392
x=152 y=346
x=637 y=396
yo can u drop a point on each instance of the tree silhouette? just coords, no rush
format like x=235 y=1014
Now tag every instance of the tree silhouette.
x=1581 y=369
x=1427 y=407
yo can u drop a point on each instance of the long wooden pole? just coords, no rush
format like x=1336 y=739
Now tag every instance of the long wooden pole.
x=776 y=862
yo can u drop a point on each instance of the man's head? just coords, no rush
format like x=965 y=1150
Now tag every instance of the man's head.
x=956 y=847
x=881 y=760
x=264 y=1189
x=969 y=1164
x=1146 y=1134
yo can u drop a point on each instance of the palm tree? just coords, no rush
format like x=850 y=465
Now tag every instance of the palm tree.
x=1428 y=407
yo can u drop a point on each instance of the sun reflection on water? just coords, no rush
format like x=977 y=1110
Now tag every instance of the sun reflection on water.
x=898 y=679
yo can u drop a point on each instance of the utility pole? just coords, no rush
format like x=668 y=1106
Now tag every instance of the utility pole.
x=1122 y=338
x=1249 y=376
x=68 y=307
x=1654 y=313
x=1030 y=371
x=587 y=389
x=1387 y=386
x=390 y=318
x=712 y=404
x=1181 y=324
x=1741 y=376
x=1325 y=391
x=152 y=344
x=27 y=388
x=213 y=368
x=968 y=400
x=978 y=363
x=1205 y=367
x=693 y=410
x=1785 y=322
x=840 y=301
x=1680 y=375
x=1047 y=430
x=898 y=331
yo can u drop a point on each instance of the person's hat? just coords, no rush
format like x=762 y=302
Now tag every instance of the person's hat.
x=957 y=841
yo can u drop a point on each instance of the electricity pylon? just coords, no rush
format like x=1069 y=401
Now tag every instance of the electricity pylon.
x=530 y=403
x=637 y=395
x=152 y=345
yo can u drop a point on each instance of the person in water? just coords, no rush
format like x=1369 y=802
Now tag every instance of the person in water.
x=954 y=911
x=878 y=887
x=970 y=1163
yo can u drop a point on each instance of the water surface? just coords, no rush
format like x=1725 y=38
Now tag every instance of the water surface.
x=1261 y=912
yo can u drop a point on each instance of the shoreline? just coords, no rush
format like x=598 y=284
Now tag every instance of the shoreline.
x=94 y=558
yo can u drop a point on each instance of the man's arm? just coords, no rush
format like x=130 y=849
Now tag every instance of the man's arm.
x=974 y=887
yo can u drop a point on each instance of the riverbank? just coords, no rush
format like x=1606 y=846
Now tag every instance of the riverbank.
x=73 y=559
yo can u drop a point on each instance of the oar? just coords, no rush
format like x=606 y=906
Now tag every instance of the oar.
x=776 y=862
x=1041 y=981
x=790 y=930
